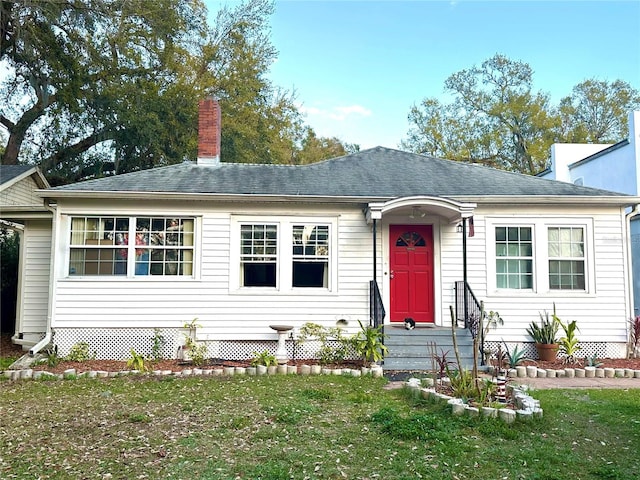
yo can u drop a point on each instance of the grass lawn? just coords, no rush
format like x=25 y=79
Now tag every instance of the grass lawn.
x=282 y=427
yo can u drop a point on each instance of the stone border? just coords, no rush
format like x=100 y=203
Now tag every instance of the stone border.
x=527 y=406
x=30 y=374
x=532 y=371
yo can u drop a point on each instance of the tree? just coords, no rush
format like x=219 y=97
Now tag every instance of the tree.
x=97 y=87
x=84 y=74
x=597 y=111
x=496 y=118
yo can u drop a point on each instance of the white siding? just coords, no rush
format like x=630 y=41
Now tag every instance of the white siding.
x=601 y=313
x=34 y=277
x=21 y=194
x=227 y=313
x=223 y=312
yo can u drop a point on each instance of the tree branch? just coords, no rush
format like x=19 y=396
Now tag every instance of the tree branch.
x=77 y=148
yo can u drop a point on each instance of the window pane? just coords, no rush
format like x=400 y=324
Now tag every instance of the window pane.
x=259 y=274
x=566 y=254
x=514 y=254
x=258 y=255
x=310 y=274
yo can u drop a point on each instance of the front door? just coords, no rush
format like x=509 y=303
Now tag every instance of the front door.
x=411 y=275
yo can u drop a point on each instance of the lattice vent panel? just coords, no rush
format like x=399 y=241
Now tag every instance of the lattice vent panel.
x=587 y=349
x=244 y=349
x=116 y=343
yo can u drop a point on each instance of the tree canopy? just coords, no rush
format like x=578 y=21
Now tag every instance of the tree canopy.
x=96 y=87
x=497 y=118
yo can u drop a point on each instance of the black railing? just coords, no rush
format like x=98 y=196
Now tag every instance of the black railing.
x=468 y=308
x=376 y=308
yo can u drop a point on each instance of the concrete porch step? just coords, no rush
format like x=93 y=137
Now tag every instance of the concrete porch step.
x=413 y=349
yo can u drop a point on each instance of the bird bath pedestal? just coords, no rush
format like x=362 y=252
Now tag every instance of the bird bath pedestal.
x=281 y=352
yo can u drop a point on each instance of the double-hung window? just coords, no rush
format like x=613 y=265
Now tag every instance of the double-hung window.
x=131 y=246
x=258 y=255
x=283 y=254
x=514 y=257
x=310 y=256
x=566 y=258
x=540 y=255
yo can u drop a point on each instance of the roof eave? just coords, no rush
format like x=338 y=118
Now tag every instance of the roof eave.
x=622 y=200
x=480 y=199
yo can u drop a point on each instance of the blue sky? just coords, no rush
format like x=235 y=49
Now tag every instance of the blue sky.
x=358 y=66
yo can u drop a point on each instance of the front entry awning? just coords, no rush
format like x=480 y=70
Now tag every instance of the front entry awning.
x=451 y=210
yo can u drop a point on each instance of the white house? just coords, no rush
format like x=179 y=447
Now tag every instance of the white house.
x=241 y=247
x=614 y=167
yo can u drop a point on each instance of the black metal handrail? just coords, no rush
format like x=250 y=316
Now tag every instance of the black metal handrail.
x=376 y=307
x=468 y=309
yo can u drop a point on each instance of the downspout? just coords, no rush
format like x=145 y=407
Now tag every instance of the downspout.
x=54 y=242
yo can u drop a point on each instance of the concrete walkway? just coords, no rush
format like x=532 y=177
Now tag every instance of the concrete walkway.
x=564 y=382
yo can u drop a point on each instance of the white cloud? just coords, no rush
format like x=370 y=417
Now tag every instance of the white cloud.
x=336 y=113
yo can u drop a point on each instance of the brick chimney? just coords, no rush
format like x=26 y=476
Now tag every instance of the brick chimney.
x=209 y=132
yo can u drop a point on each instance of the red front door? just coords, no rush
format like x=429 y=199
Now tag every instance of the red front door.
x=411 y=276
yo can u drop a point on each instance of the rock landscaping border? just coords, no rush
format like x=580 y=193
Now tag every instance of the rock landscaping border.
x=30 y=374
x=526 y=409
x=570 y=372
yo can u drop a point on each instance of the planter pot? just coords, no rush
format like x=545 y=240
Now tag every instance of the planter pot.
x=547 y=352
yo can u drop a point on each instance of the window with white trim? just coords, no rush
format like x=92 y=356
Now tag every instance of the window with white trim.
x=566 y=258
x=310 y=253
x=532 y=255
x=131 y=246
x=514 y=257
x=258 y=255
x=283 y=254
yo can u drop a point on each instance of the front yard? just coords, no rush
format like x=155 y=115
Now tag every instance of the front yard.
x=282 y=427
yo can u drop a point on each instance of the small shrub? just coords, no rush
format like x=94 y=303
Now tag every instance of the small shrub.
x=158 y=343
x=197 y=352
x=442 y=362
x=569 y=343
x=263 y=358
x=51 y=356
x=334 y=346
x=369 y=343
x=516 y=357
x=137 y=362
x=463 y=384
x=80 y=353
x=592 y=361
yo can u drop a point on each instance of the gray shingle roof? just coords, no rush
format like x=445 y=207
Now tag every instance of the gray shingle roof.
x=376 y=172
x=9 y=172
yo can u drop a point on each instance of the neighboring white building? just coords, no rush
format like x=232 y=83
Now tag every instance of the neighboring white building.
x=613 y=167
x=241 y=247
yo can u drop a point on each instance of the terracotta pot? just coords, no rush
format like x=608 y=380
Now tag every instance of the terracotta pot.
x=547 y=352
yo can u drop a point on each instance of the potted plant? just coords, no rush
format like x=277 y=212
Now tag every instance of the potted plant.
x=545 y=335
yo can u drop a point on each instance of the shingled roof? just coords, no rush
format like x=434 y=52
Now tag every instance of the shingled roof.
x=377 y=172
